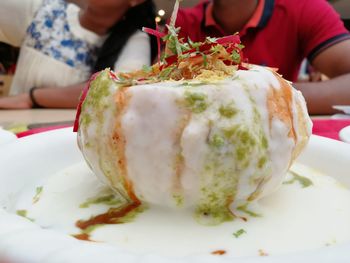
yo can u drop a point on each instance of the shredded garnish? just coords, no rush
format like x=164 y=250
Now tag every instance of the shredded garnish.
x=185 y=59
x=216 y=59
x=213 y=59
x=238 y=233
x=23 y=213
x=38 y=193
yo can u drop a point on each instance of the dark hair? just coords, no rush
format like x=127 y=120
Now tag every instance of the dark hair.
x=142 y=15
x=347 y=24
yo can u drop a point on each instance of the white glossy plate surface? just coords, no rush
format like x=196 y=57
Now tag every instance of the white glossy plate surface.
x=344 y=134
x=33 y=158
x=6 y=137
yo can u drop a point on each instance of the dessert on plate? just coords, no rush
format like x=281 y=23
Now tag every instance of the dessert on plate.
x=199 y=130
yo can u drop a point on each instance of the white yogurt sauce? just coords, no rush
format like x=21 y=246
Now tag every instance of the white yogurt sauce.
x=292 y=219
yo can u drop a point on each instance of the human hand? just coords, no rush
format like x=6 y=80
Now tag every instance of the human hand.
x=20 y=101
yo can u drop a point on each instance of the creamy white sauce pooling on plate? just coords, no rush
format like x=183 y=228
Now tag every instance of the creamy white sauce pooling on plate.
x=310 y=210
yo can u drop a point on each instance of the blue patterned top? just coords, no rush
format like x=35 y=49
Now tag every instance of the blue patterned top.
x=50 y=33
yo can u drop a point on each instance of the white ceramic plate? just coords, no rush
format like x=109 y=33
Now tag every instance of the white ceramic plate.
x=343 y=108
x=344 y=134
x=33 y=158
x=6 y=136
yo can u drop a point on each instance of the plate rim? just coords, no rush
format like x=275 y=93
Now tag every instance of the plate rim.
x=320 y=255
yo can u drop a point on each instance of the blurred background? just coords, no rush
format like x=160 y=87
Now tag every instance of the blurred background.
x=8 y=54
x=167 y=5
x=342 y=7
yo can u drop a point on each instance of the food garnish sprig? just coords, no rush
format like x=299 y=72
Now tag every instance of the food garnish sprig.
x=182 y=60
x=187 y=59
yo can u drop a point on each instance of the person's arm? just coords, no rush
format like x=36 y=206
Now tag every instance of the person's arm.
x=47 y=97
x=334 y=62
x=135 y=54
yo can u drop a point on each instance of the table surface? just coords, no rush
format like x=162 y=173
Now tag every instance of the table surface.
x=54 y=116
x=37 y=120
x=34 y=116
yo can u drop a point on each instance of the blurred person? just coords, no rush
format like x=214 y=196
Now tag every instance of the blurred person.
x=280 y=34
x=66 y=42
x=8 y=58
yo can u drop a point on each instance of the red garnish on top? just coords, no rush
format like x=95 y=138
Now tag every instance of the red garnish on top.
x=182 y=59
x=81 y=100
